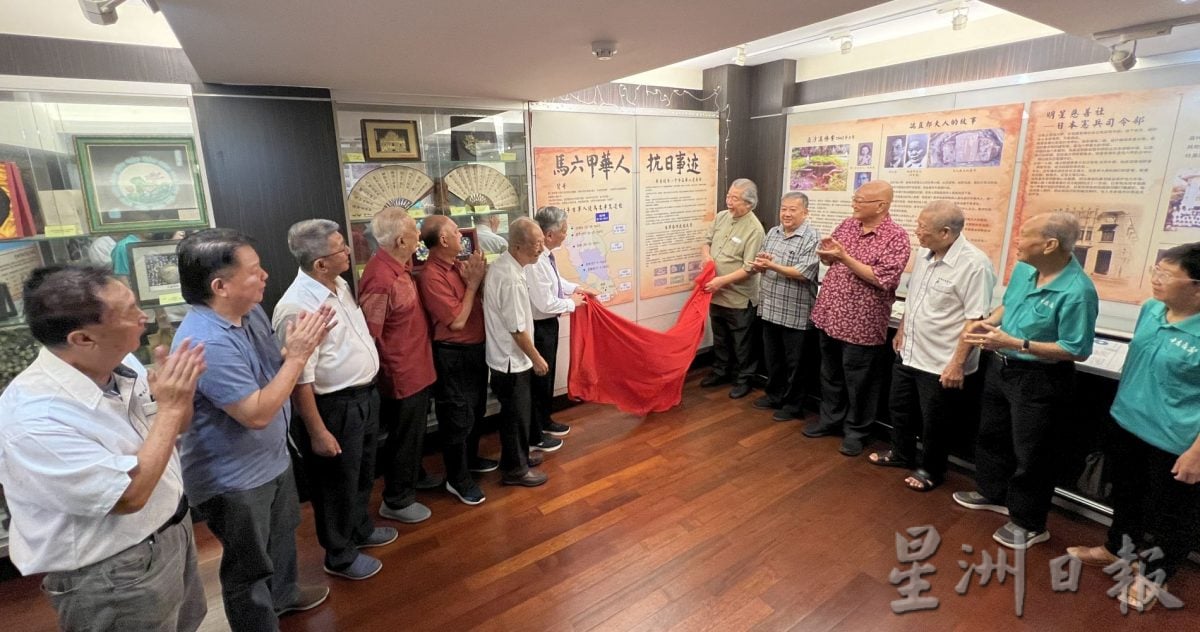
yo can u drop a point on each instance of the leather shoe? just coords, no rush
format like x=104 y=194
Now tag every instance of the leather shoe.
x=739 y=391
x=766 y=403
x=851 y=447
x=815 y=429
x=713 y=379
x=531 y=478
x=1092 y=555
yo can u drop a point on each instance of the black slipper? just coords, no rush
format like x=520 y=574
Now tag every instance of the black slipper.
x=887 y=459
x=926 y=483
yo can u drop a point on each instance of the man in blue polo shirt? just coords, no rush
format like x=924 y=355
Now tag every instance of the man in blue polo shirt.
x=236 y=468
x=1046 y=323
x=1155 y=454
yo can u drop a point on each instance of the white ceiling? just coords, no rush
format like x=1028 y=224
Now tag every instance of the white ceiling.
x=501 y=49
x=63 y=19
x=1086 y=17
x=873 y=25
x=534 y=49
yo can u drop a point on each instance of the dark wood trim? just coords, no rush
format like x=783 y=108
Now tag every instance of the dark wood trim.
x=78 y=59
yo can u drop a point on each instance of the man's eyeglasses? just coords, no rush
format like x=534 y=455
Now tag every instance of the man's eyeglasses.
x=344 y=251
x=862 y=201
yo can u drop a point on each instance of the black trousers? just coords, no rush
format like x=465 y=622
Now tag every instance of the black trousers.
x=545 y=340
x=1022 y=430
x=783 y=349
x=850 y=377
x=405 y=421
x=733 y=355
x=514 y=392
x=460 y=396
x=341 y=485
x=1149 y=505
x=920 y=406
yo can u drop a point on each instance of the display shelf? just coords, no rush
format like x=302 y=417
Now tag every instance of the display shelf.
x=447 y=139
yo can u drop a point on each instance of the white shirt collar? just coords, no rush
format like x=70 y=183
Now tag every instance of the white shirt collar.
x=73 y=382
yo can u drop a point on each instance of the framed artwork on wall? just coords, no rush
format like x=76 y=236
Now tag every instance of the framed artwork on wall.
x=141 y=183
x=154 y=272
x=16 y=220
x=468 y=144
x=391 y=140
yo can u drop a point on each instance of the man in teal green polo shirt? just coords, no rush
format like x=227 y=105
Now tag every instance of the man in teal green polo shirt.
x=1046 y=323
x=1154 y=455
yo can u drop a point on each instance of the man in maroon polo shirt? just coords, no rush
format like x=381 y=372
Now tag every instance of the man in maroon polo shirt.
x=392 y=307
x=866 y=255
x=451 y=293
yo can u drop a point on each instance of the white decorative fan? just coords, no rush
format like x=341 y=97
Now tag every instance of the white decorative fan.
x=480 y=184
x=393 y=185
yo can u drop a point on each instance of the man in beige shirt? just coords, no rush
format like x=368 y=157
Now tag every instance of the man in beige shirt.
x=732 y=242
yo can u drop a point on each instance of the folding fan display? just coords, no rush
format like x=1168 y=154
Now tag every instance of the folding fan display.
x=480 y=184
x=393 y=185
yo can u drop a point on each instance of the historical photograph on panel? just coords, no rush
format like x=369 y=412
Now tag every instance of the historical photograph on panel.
x=968 y=148
x=819 y=168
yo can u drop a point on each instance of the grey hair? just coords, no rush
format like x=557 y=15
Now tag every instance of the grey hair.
x=550 y=218
x=520 y=232
x=947 y=214
x=749 y=191
x=1064 y=227
x=308 y=240
x=796 y=195
x=387 y=224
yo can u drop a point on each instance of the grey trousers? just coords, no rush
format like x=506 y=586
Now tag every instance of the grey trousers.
x=153 y=586
x=257 y=529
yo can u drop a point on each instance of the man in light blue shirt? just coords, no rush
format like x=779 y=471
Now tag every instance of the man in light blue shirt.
x=236 y=467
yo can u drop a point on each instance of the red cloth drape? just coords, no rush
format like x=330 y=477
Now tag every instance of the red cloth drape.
x=639 y=370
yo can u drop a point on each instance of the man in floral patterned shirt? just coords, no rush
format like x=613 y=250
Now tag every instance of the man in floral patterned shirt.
x=866 y=255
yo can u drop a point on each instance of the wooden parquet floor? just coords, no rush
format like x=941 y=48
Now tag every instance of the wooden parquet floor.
x=709 y=517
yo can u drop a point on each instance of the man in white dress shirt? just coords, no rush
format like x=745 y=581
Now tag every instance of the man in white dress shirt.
x=551 y=296
x=951 y=286
x=336 y=401
x=511 y=355
x=88 y=460
x=486 y=226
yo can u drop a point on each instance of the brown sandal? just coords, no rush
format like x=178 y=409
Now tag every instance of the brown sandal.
x=921 y=481
x=887 y=459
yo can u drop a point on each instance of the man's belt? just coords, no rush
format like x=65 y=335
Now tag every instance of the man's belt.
x=180 y=513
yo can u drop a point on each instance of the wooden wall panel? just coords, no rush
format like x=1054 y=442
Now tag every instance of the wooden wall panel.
x=271 y=162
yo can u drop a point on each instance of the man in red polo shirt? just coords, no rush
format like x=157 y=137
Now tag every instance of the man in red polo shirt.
x=392 y=306
x=451 y=293
x=866 y=255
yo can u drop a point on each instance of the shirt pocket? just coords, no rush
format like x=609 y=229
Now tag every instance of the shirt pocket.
x=731 y=249
x=1180 y=373
x=942 y=296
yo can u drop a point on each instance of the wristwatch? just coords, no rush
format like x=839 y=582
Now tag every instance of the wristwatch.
x=1025 y=345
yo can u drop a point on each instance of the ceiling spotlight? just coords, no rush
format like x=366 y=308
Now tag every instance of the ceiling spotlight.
x=739 y=58
x=847 y=42
x=604 y=50
x=959 y=21
x=1122 y=59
